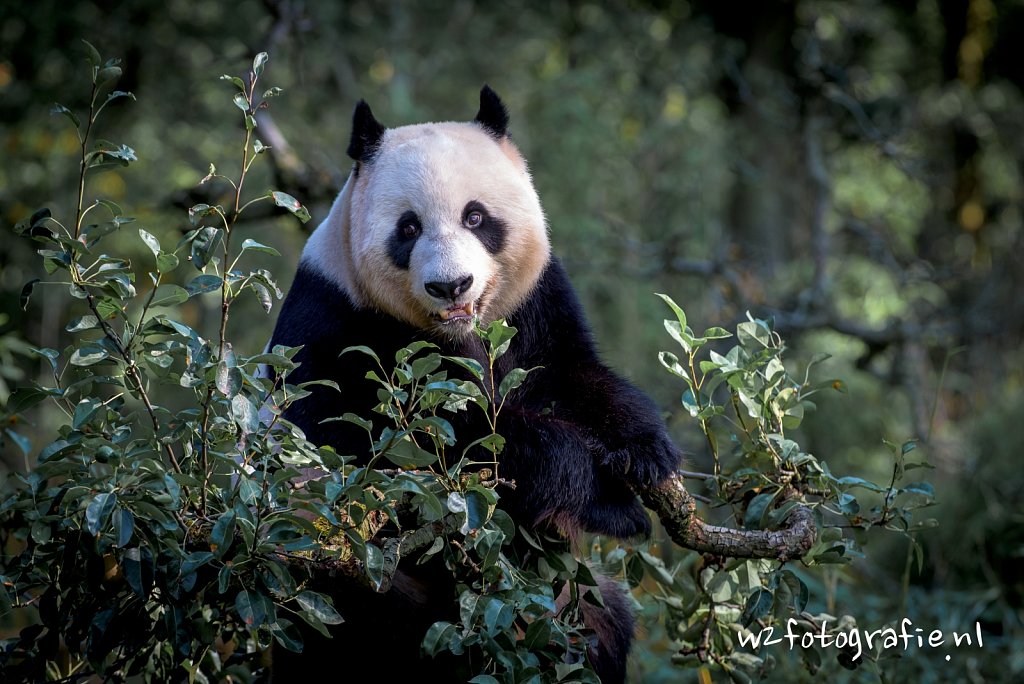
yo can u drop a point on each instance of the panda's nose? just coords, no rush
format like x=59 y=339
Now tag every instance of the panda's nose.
x=450 y=290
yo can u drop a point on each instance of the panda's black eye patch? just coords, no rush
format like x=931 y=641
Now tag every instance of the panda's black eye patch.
x=403 y=239
x=490 y=230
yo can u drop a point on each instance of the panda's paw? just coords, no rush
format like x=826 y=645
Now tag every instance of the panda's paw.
x=630 y=521
x=645 y=460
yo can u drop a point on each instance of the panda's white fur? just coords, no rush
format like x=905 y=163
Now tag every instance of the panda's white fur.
x=434 y=170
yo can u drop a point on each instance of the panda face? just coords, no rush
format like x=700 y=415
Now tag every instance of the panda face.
x=440 y=227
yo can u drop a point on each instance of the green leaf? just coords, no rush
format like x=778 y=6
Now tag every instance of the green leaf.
x=26 y=293
x=245 y=414
x=287 y=635
x=488 y=679
x=860 y=482
x=271 y=92
x=107 y=154
x=99 y=511
x=283 y=199
x=680 y=315
x=115 y=94
x=151 y=242
x=84 y=412
x=513 y=379
x=241 y=101
x=498 y=616
x=478 y=509
x=239 y=83
x=92 y=54
x=197 y=212
x=23 y=442
x=801 y=594
x=88 y=354
x=107 y=74
x=319 y=605
x=753 y=333
x=279 y=362
x=362 y=350
x=437 y=637
x=756 y=509
x=679 y=334
x=538 y=634
x=124 y=526
x=229 y=380
x=203 y=284
x=223 y=534
x=716 y=333
x=87 y=322
x=922 y=488
x=498 y=336
x=169 y=295
x=37 y=220
x=250 y=244
x=757 y=606
x=166 y=262
x=374 y=565
x=405 y=454
x=671 y=362
x=258 y=63
x=472 y=365
x=253 y=607
x=61 y=109
x=24 y=398
x=51 y=356
x=657 y=568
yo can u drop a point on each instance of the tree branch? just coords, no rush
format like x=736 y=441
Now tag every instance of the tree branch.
x=675 y=506
x=678 y=512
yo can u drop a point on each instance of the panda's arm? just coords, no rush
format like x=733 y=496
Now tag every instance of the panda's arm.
x=625 y=428
x=552 y=463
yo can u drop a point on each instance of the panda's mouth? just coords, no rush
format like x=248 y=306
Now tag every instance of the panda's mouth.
x=459 y=312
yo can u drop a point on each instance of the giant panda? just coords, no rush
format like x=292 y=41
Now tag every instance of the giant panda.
x=437 y=225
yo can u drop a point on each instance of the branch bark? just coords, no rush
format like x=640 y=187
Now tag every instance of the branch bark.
x=677 y=510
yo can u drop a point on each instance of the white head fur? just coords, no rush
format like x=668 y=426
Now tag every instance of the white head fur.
x=437 y=173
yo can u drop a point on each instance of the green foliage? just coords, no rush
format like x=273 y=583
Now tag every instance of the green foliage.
x=146 y=538
x=747 y=405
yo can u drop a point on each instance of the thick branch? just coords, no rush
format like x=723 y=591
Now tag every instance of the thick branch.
x=678 y=512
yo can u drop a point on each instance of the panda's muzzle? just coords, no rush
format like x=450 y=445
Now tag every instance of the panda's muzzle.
x=449 y=290
x=459 y=312
x=452 y=290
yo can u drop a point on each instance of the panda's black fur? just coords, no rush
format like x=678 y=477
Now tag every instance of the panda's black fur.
x=578 y=438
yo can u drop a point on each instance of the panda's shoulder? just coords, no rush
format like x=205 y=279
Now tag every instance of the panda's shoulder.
x=551 y=322
x=315 y=307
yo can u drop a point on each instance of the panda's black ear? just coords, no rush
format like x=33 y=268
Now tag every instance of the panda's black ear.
x=492 y=115
x=366 y=133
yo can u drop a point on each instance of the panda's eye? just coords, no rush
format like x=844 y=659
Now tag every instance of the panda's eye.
x=473 y=219
x=408 y=226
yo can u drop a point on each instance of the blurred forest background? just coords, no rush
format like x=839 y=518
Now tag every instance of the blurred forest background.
x=852 y=169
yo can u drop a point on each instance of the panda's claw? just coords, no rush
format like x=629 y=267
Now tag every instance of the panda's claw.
x=647 y=460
